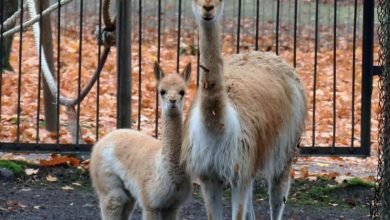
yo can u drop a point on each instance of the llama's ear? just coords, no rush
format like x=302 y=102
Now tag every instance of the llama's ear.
x=158 y=73
x=187 y=72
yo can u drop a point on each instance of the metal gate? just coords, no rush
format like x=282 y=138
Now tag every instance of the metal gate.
x=313 y=32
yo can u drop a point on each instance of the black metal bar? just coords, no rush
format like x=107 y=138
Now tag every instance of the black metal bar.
x=238 y=27
x=73 y=148
x=178 y=37
x=79 y=71
x=39 y=73
x=330 y=151
x=257 y=24
x=2 y=12
x=19 y=74
x=139 y=63
x=44 y=148
x=99 y=64
x=315 y=77
x=353 y=75
x=367 y=70
x=262 y=24
x=198 y=65
x=277 y=25
x=158 y=60
x=123 y=45
x=334 y=72
x=58 y=74
x=295 y=32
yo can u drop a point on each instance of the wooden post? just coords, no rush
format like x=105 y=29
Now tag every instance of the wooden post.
x=47 y=44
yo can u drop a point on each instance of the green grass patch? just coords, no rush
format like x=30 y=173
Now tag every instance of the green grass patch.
x=355 y=182
x=16 y=167
x=326 y=192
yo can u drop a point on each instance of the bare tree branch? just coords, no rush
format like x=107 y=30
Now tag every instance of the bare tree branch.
x=35 y=19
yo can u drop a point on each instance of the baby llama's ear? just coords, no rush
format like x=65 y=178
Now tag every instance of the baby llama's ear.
x=186 y=74
x=158 y=72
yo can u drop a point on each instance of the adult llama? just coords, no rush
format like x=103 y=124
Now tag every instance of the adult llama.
x=245 y=120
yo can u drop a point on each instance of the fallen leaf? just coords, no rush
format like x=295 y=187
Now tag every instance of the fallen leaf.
x=60 y=160
x=51 y=178
x=332 y=175
x=76 y=184
x=304 y=172
x=25 y=190
x=30 y=171
x=323 y=164
x=341 y=179
x=67 y=188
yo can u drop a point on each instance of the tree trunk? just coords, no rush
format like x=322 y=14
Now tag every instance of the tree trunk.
x=10 y=7
x=47 y=44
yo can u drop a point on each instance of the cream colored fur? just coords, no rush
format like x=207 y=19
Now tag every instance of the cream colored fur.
x=246 y=120
x=129 y=167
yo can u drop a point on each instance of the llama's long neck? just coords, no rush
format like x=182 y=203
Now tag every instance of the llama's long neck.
x=213 y=96
x=171 y=139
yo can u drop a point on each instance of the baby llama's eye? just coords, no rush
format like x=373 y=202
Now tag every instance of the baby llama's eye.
x=162 y=92
x=182 y=92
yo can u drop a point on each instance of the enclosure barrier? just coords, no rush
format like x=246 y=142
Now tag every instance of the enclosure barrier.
x=302 y=32
x=380 y=208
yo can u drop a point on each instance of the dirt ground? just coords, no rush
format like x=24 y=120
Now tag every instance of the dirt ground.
x=71 y=197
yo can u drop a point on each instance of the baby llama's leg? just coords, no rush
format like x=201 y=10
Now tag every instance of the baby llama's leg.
x=112 y=205
x=128 y=208
x=112 y=197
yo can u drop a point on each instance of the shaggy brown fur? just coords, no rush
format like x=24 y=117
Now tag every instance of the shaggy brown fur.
x=245 y=120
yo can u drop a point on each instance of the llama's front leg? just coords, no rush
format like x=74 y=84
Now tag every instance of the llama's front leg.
x=250 y=211
x=150 y=214
x=242 y=202
x=278 y=188
x=212 y=193
x=169 y=214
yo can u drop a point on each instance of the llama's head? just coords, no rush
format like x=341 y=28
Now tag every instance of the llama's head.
x=207 y=11
x=172 y=88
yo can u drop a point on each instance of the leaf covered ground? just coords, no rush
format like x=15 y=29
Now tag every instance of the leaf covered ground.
x=63 y=192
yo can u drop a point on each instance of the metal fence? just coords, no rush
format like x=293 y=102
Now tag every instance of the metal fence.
x=380 y=207
x=329 y=42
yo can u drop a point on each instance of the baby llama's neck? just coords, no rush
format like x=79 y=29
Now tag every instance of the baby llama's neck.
x=171 y=140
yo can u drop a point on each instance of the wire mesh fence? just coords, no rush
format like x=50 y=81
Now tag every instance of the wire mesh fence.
x=323 y=39
x=380 y=208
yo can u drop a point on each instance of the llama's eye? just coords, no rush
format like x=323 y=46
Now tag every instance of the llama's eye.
x=162 y=92
x=182 y=92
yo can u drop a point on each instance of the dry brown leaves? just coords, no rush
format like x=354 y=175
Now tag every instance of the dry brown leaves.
x=57 y=160
x=107 y=90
